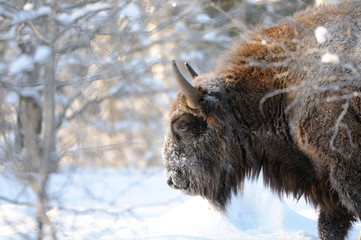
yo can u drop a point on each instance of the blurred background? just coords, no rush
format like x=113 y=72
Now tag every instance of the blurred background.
x=88 y=83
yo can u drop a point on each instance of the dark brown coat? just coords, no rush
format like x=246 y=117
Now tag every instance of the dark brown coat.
x=276 y=105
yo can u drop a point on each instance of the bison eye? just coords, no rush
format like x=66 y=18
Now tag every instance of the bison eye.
x=188 y=125
x=184 y=128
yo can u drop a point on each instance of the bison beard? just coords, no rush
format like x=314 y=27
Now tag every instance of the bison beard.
x=274 y=106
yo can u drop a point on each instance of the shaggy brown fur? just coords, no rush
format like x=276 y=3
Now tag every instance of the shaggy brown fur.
x=273 y=106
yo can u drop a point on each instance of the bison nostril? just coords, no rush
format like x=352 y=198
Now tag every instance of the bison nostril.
x=170 y=182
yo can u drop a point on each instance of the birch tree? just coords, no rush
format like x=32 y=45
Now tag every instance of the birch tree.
x=50 y=68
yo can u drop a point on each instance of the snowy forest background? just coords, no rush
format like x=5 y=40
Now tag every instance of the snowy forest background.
x=85 y=90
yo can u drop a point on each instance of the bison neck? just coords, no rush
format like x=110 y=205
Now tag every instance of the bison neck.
x=268 y=147
x=285 y=169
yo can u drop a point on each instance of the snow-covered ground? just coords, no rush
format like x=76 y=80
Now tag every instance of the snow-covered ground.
x=136 y=204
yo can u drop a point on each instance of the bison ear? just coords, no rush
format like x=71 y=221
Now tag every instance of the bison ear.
x=214 y=114
x=193 y=96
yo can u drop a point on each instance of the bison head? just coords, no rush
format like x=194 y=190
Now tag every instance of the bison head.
x=199 y=153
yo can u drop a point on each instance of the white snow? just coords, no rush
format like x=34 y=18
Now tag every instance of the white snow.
x=31 y=94
x=41 y=54
x=115 y=89
x=64 y=18
x=28 y=6
x=202 y=18
x=330 y=58
x=131 y=11
x=90 y=8
x=179 y=28
x=77 y=14
x=24 y=63
x=119 y=203
x=322 y=34
x=210 y=36
x=29 y=14
x=12 y=98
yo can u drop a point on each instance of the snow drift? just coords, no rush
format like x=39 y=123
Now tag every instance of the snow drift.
x=137 y=204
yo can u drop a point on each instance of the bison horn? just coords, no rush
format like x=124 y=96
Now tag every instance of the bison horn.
x=191 y=71
x=192 y=94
